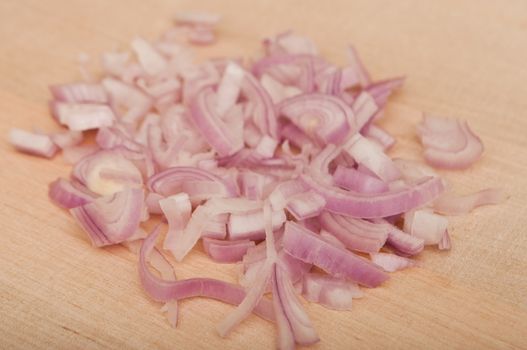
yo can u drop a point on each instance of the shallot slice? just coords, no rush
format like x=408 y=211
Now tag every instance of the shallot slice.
x=391 y=262
x=450 y=204
x=449 y=143
x=32 y=143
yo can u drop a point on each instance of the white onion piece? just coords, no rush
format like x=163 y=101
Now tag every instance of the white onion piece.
x=128 y=98
x=177 y=210
x=83 y=116
x=391 y=262
x=333 y=293
x=151 y=60
x=266 y=146
x=306 y=205
x=32 y=143
x=79 y=93
x=364 y=108
x=372 y=157
x=426 y=225
x=252 y=225
x=229 y=88
x=291 y=43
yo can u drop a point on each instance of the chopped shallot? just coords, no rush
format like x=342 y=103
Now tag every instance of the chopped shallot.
x=277 y=164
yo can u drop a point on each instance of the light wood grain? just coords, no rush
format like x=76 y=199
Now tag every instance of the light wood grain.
x=462 y=58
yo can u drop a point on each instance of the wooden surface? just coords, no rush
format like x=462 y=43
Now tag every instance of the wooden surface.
x=463 y=58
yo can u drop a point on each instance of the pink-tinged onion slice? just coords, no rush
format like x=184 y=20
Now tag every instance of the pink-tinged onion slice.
x=328 y=237
x=150 y=59
x=216 y=227
x=357 y=181
x=258 y=289
x=367 y=206
x=449 y=143
x=285 y=339
x=212 y=127
x=412 y=170
x=127 y=98
x=306 y=205
x=404 y=242
x=333 y=293
x=324 y=117
x=287 y=304
x=166 y=270
x=79 y=93
x=184 y=242
x=290 y=43
x=152 y=203
x=379 y=135
x=355 y=234
x=426 y=225
x=112 y=219
x=177 y=210
x=170 y=181
x=376 y=206
x=450 y=204
x=263 y=113
x=309 y=247
x=252 y=225
x=202 y=216
x=162 y=290
x=68 y=194
x=226 y=251
x=32 y=143
x=229 y=88
x=158 y=261
x=252 y=184
x=283 y=193
x=364 y=108
x=372 y=157
x=82 y=116
x=391 y=262
x=289 y=70
x=266 y=146
x=107 y=172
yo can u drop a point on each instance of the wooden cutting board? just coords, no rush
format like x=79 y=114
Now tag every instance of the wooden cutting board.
x=462 y=58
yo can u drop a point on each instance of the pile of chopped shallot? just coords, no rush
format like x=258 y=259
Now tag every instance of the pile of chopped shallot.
x=276 y=164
